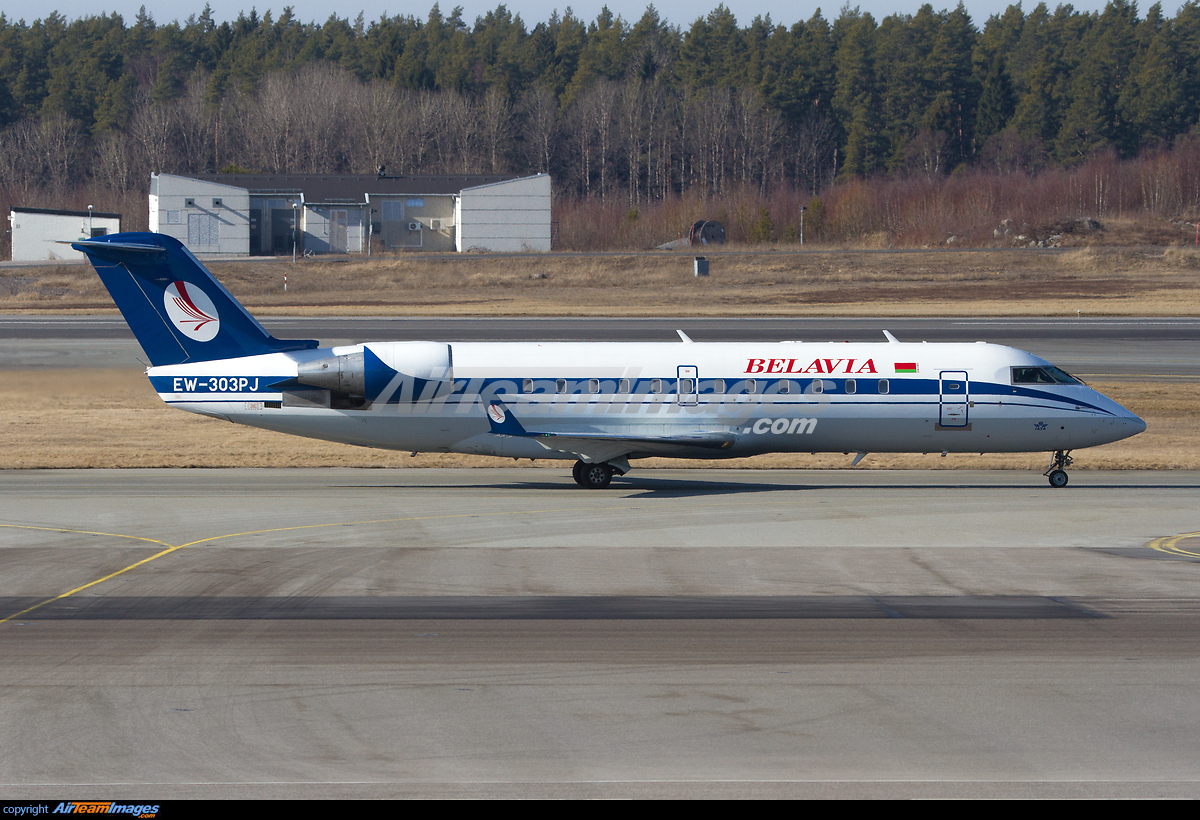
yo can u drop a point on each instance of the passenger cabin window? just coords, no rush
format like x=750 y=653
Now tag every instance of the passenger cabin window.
x=656 y=385
x=560 y=386
x=751 y=385
x=883 y=386
x=593 y=385
x=623 y=386
x=785 y=387
x=527 y=386
x=818 y=386
x=851 y=386
x=687 y=386
x=718 y=385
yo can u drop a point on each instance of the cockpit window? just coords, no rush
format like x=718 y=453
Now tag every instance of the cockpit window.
x=1042 y=375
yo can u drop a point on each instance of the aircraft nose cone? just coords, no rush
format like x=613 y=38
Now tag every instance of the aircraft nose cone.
x=1134 y=425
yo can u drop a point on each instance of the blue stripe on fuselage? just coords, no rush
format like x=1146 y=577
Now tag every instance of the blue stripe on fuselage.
x=545 y=388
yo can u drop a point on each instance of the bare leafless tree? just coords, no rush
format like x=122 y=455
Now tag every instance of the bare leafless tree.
x=539 y=113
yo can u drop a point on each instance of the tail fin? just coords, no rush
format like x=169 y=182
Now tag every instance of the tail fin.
x=177 y=310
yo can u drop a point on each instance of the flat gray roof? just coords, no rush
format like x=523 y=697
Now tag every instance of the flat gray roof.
x=352 y=188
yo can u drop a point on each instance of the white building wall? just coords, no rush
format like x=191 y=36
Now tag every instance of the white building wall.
x=208 y=217
x=35 y=237
x=505 y=216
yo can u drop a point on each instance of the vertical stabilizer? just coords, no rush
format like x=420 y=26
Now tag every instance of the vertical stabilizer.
x=177 y=310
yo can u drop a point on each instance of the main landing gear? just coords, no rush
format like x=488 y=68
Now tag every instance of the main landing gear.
x=593 y=476
x=1057 y=472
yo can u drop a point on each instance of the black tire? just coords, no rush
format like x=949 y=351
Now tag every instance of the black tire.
x=596 y=476
x=1058 y=478
x=577 y=473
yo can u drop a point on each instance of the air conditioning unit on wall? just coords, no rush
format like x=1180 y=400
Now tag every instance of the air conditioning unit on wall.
x=414 y=226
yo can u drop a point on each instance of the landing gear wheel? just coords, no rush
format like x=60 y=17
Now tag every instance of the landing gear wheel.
x=595 y=476
x=577 y=473
x=1056 y=472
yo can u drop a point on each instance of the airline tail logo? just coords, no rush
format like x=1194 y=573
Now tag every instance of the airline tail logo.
x=497 y=413
x=192 y=311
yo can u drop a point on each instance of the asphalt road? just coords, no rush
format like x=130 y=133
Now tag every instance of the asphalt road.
x=376 y=633
x=1090 y=347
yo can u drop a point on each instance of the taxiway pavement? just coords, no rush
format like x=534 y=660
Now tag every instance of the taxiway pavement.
x=368 y=633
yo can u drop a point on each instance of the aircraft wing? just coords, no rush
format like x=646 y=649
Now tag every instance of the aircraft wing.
x=597 y=447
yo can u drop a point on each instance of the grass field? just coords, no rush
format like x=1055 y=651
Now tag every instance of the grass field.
x=744 y=281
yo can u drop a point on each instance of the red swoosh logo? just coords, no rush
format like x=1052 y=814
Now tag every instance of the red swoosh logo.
x=185 y=303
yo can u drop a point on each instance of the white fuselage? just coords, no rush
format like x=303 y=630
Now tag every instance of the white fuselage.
x=764 y=397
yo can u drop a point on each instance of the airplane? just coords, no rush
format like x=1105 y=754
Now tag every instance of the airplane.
x=602 y=404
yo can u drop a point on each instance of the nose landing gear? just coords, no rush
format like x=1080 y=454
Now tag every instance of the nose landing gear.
x=1056 y=472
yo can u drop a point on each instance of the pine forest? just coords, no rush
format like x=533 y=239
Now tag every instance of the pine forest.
x=915 y=129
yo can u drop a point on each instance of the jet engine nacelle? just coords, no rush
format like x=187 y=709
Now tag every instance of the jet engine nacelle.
x=387 y=371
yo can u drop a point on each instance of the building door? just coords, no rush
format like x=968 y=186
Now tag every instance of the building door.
x=256 y=231
x=337 y=230
x=283 y=229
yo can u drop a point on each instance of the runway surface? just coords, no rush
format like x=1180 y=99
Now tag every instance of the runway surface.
x=372 y=633
x=1125 y=347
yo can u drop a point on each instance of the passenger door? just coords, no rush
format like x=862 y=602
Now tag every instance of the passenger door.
x=955 y=398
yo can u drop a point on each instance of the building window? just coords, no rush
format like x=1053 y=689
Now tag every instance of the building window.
x=216 y=203
x=189 y=203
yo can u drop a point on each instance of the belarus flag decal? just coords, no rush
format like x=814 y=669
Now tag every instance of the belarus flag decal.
x=906 y=367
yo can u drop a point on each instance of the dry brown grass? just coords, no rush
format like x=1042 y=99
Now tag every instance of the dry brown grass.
x=111 y=418
x=744 y=281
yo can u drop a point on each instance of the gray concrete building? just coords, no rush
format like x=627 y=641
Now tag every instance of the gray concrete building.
x=37 y=232
x=263 y=214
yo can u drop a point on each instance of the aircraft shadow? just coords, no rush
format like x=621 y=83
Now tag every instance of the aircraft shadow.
x=551 y=607
x=647 y=487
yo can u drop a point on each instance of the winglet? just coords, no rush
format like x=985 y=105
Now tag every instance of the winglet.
x=683 y=337
x=891 y=338
x=502 y=420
